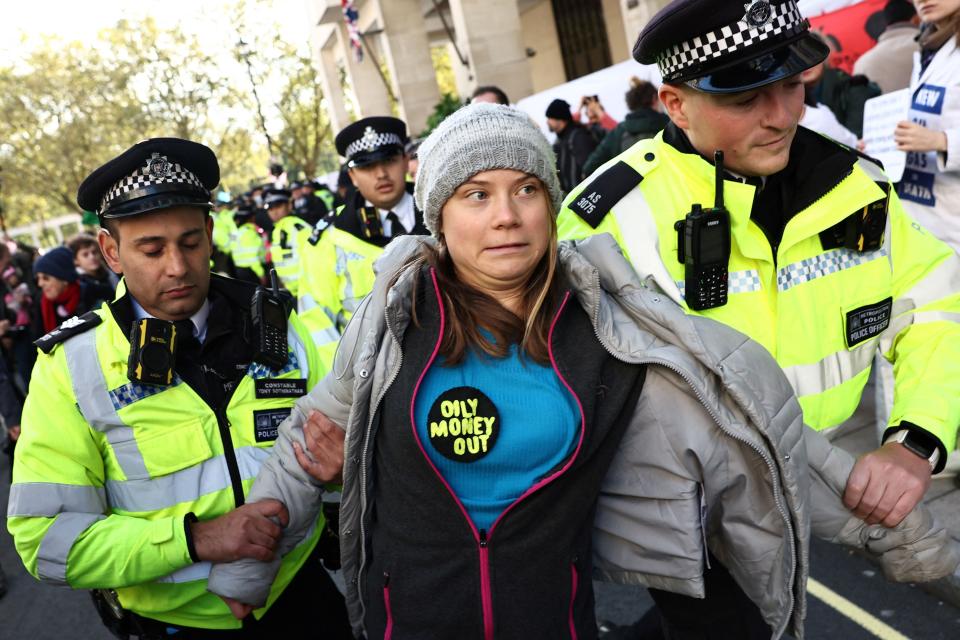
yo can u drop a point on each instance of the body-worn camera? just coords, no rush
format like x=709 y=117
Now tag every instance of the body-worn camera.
x=703 y=246
x=153 y=351
x=269 y=316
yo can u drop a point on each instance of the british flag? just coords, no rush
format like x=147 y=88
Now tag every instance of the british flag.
x=350 y=16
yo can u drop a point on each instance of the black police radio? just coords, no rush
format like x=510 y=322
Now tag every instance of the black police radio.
x=703 y=246
x=269 y=314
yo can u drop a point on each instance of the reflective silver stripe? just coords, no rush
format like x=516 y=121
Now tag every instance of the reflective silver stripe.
x=47 y=499
x=190 y=573
x=835 y=369
x=57 y=542
x=737 y=282
x=321 y=337
x=186 y=485
x=348 y=302
x=300 y=350
x=305 y=302
x=822 y=265
x=96 y=405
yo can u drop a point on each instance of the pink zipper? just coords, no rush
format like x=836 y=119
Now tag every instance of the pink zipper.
x=388 y=632
x=482 y=537
x=574 y=585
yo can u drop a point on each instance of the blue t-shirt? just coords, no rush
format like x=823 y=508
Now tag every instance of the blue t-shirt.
x=494 y=427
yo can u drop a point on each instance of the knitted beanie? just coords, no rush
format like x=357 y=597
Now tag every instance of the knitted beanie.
x=559 y=110
x=480 y=137
x=57 y=263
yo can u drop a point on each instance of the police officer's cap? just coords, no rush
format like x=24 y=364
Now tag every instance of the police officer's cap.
x=243 y=212
x=371 y=140
x=725 y=46
x=275 y=196
x=296 y=184
x=154 y=174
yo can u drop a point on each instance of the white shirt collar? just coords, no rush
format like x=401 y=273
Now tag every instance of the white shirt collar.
x=199 y=319
x=405 y=212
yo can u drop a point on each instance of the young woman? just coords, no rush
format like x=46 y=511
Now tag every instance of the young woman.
x=930 y=189
x=493 y=385
x=64 y=295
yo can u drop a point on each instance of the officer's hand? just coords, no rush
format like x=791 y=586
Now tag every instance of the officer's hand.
x=237 y=608
x=325 y=446
x=248 y=531
x=911 y=136
x=885 y=485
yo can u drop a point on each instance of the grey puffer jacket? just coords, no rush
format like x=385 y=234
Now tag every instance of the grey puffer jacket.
x=716 y=455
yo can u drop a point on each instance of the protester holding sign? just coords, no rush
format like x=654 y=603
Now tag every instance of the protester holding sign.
x=930 y=188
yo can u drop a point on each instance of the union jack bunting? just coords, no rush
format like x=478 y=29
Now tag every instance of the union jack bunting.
x=350 y=16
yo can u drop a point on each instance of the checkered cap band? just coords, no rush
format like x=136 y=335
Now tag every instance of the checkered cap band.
x=372 y=141
x=157 y=170
x=785 y=19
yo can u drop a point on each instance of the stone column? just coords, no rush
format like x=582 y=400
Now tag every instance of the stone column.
x=636 y=15
x=406 y=53
x=372 y=96
x=327 y=52
x=489 y=35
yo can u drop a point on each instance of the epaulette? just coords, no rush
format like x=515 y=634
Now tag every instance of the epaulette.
x=318 y=230
x=69 y=328
x=607 y=189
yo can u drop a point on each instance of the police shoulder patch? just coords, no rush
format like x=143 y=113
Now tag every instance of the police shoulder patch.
x=607 y=189
x=69 y=328
x=318 y=230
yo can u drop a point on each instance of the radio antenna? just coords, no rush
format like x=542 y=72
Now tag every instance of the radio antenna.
x=274 y=283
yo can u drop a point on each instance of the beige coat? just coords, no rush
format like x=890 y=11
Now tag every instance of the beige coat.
x=890 y=62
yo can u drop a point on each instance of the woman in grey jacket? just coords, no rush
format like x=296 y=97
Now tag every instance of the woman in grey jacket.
x=685 y=429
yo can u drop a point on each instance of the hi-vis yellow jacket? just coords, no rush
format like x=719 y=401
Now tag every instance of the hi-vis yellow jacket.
x=285 y=250
x=107 y=470
x=248 y=250
x=821 y=313
x=336 y=273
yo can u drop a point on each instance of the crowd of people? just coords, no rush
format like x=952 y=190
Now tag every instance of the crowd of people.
x=524 y=365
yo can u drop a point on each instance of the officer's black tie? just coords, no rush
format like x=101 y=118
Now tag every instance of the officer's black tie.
x=396 y=227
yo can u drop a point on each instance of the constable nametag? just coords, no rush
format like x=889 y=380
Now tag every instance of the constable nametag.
x=868 y=321
x=266 y=423
x=606 y=190
x=463 y=424
x=280 y=387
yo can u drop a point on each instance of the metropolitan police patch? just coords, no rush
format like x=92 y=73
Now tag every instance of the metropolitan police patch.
x=868 y=321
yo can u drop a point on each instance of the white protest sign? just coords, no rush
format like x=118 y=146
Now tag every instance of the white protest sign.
x=880 y=118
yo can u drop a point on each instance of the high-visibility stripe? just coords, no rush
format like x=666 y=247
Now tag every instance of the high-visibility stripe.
x=822 y=265
x=96 y=405
x=190 y=573
x=833 y=370
x=57 y=542
x=299 y=355
x=737 y=282
x=321 y=337
x=48 y=499
x=185 y=485
x=305 y=303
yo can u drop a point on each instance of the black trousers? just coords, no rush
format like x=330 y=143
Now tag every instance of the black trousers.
x=310 y=607
x=725 y=614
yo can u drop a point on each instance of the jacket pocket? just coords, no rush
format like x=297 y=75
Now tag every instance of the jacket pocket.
x=164 y=450
x=388 y=629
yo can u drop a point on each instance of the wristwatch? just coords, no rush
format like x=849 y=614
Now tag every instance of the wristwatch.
x=920 y=446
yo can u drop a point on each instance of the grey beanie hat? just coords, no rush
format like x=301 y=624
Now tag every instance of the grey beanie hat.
x=480 y=137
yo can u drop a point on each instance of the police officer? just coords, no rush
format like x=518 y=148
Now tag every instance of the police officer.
x=337 y=262
x=248 y=251
x=807 y=250
x=285 y=239
x=148 y=419
x=307 y=206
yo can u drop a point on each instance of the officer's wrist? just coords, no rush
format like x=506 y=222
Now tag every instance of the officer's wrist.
x=919 y=442
x=188 y=521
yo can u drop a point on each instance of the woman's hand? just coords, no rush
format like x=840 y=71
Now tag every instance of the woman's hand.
x=323 y=459
x=910 y=136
